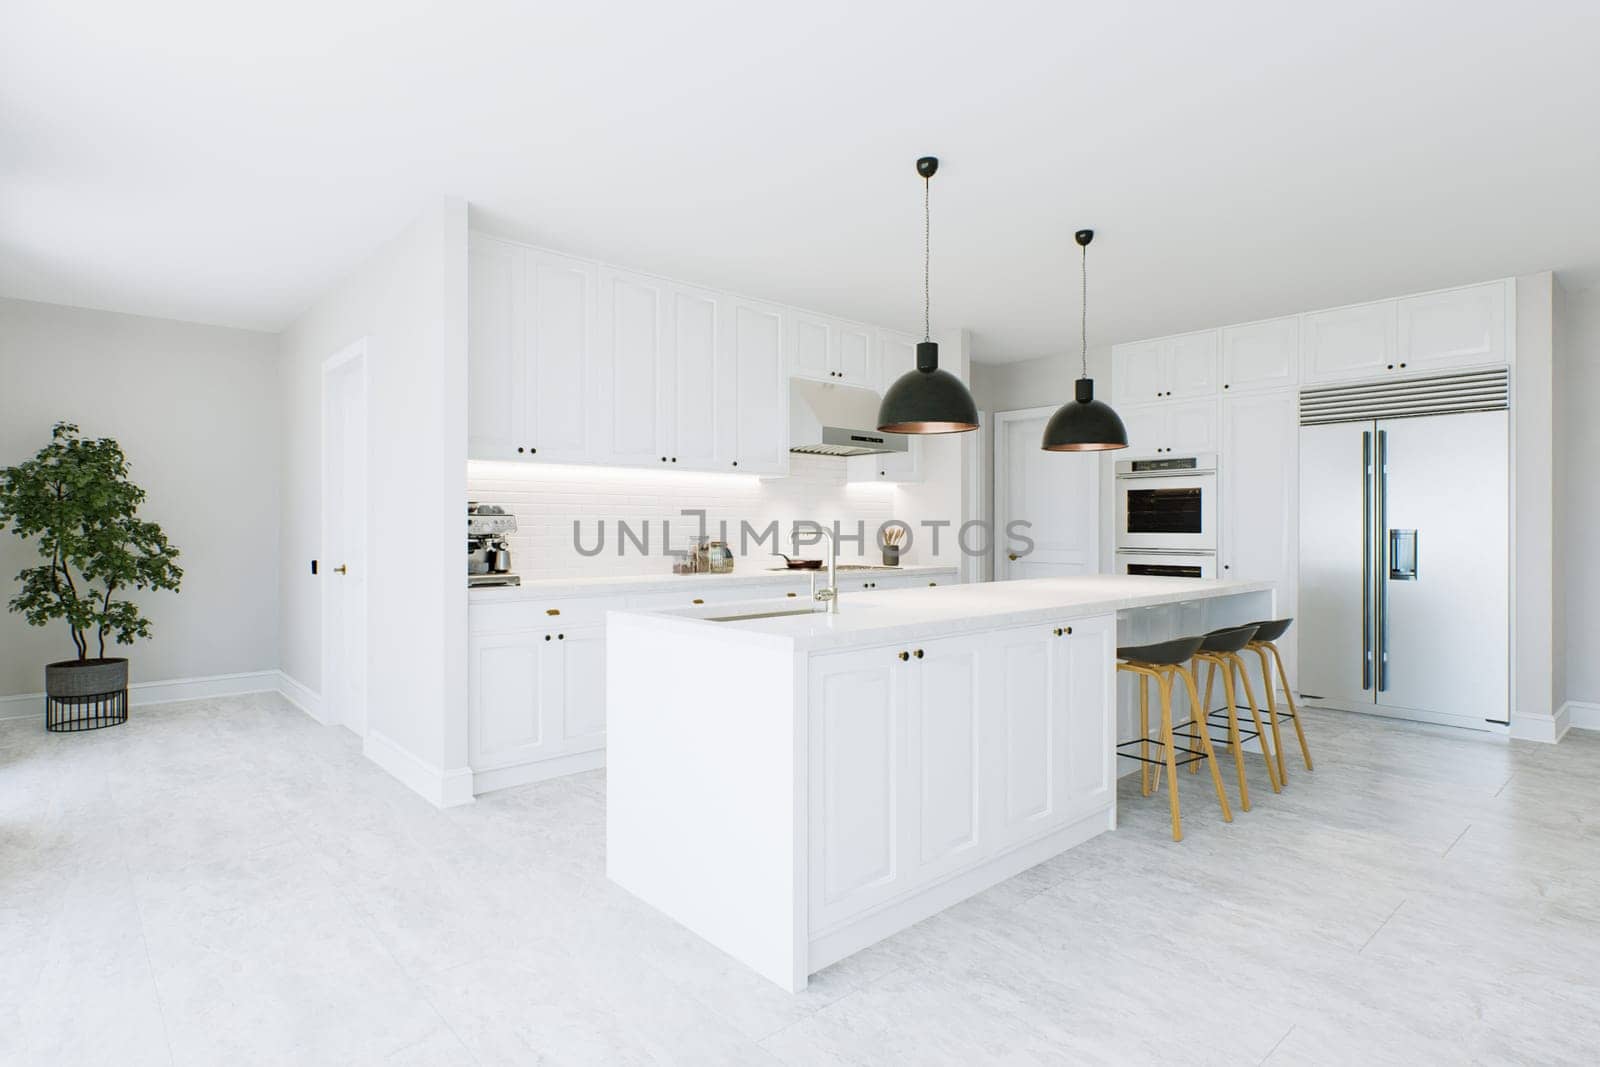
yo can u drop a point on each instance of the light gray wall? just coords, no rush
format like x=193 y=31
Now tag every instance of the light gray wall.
x=196 y=410
x=1038 y=383
x=1577 y=495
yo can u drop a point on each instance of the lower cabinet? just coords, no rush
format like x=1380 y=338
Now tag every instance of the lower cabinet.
x=535 y=695
x=930 y=759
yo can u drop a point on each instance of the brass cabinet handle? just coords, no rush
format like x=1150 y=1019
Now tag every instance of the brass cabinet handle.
x=1057 y=631
x=697 y=600
x=1069 y=630
x=552 y=611
x=341 y=569
x=788 y=594
x=904 y=656
x=917 y=653
x=933 y=583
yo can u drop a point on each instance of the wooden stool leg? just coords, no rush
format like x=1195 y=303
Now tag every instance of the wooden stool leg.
x=1294 y=712
x=1144 y=733
x=1211 y=755
x=1172 y=756
x=1234 y=741
x=1237 y=664
x=1272 y=711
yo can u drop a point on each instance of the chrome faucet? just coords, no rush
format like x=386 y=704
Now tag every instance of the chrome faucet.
x=830 y=595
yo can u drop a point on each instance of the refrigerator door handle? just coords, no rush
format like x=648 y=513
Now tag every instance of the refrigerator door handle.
x=1366 y=560
x=1383 y=586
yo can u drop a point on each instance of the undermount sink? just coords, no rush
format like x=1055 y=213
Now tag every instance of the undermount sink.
x=761 y=615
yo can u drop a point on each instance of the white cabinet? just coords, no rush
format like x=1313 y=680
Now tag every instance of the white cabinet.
x=1177 y=428
x=897 y=354
x=557 y=356
x=1171 y=367
x=494 y=349
x=858 y=794
x=1450 y=329
x=1051 y=694
x=693 y=413
x=1261 y=355
x=832 y=350
x=1259 y=487
x=530 y=342
x=896 y=771
x=1455 y=328
x=752 y=386
x=930 y=758
x=534 y=695
x=945 y=704
x=633 y=371
x=1347 y=343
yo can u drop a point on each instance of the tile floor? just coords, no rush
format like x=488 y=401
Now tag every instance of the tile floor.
x=228 y=882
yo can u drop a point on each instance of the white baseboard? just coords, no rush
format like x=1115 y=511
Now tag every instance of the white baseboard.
x=441 y=788
x=28 y=705
x=1548 y=729
x=526 y=773
x=301 y=696
x=1582 y=715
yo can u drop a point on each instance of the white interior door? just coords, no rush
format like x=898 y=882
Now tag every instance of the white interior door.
x=343 y=565
x=1057 y=493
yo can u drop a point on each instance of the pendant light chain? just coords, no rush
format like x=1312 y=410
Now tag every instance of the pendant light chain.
x=1084 y=321
x=927 y=241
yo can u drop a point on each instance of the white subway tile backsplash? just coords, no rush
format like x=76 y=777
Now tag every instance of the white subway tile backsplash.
x=547 y=499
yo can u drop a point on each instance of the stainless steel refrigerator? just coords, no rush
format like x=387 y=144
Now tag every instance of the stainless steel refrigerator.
x=1404 y=559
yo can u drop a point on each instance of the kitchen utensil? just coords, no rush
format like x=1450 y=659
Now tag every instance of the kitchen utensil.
x=801 y=564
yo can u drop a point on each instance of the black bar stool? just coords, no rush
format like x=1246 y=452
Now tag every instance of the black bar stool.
x=1164 y=662
x=1262 y=645
x=1220 y=649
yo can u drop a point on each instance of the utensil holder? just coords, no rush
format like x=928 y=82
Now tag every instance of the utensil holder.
x=891 y=555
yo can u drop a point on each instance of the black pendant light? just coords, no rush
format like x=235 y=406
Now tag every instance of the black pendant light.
x=927 y=400
x=1084 y=424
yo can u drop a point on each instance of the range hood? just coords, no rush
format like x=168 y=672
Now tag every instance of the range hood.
x=837 y=420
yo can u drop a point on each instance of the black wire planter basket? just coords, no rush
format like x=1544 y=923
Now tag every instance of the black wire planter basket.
x=85 y=694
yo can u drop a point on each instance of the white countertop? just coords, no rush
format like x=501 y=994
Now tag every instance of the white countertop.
x=652 y=583
x=888 y=615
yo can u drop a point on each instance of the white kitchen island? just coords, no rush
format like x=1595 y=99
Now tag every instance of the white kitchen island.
x=795 y=787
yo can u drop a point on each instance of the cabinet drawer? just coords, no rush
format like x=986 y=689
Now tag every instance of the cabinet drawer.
x=536 y=614
x=692 y=596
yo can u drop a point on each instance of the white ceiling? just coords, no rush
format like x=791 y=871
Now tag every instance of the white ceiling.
x=225 y=163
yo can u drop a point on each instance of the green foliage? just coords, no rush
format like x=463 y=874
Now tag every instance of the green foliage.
x=75 y=497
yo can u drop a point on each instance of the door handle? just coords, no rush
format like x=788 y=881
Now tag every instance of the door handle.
x=1383 y=587
x=1366 y=560
x=341 y=569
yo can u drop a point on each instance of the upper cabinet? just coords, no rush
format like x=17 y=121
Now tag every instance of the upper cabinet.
x=1171 y=428
x=575 y=363
x=1261 y=355
x=494 y=350
x=633 y=409
x=1182 y=367
x=831 y=350
x=1472 y=326
x=1447 y=330
x=752 y=386
x=1455 y=328
x=896 y=353
x=1345 y=343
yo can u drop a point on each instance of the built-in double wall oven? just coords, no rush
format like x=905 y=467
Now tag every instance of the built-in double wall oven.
x=1167 y=516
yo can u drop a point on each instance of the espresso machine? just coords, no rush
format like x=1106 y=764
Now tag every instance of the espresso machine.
x=488 y=553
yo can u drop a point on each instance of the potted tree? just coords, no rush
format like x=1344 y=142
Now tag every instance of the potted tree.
x=75 y=497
